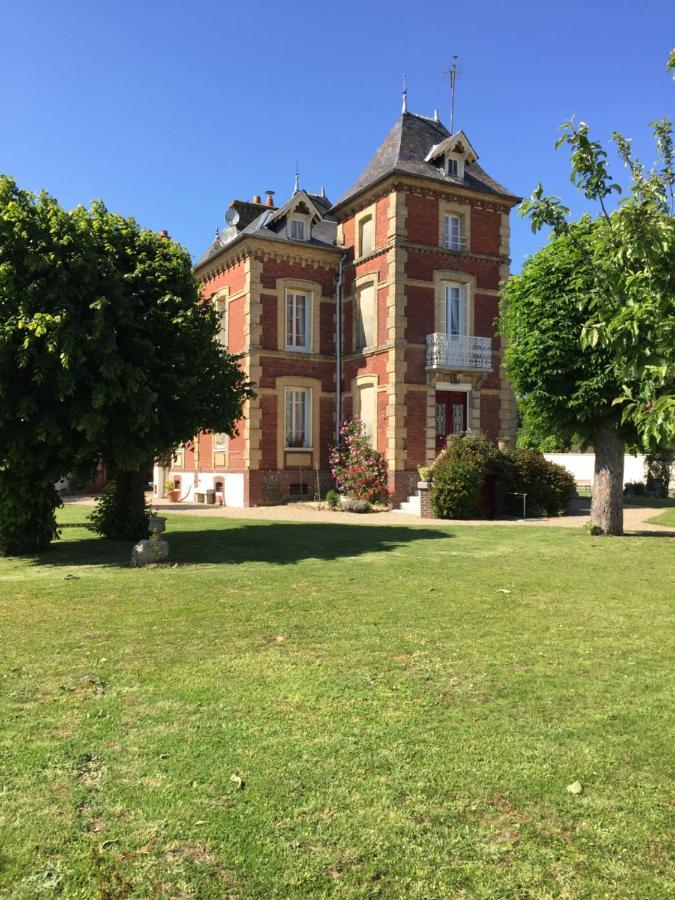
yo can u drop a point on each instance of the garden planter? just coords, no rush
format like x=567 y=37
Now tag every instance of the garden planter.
x=174 y=496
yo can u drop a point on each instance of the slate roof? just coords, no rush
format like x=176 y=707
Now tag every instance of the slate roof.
x=324 y=232
x=404 y=150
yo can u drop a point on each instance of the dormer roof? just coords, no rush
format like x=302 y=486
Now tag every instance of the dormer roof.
x=454 y=143
x=405 y=150
x=307 y=204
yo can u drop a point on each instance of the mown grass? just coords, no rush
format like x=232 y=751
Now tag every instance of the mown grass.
x=405 y=709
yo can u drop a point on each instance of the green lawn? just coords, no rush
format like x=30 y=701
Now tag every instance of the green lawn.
x=405 y=707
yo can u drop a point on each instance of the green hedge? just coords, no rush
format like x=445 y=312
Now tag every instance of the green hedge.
x=549 y=487
x=455 y=489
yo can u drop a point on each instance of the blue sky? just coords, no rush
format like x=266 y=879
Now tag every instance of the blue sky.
x=169 y=110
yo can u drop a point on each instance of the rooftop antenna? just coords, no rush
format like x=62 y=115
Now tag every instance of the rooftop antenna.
x=404 y=105
x=452 y=73
x=296 y=186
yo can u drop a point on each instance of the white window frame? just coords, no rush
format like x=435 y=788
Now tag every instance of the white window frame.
x=219 y=442
x=292 y=395
x=452 y=160
x=359 y=317
x=294 y=221
x=462 y=308
x=292 y=344
x=363 y=222
x=452 y=236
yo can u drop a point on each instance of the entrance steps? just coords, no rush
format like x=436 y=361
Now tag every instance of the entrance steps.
x=412 y=506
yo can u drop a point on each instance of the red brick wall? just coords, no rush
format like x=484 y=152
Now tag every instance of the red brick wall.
x=422 y=224
x=327 y=328
x=485 y=230
x=419 y=313
x=270 y=334
x=421 y=265
x=235 y=325
x=381 y=221
x=297 y=364
x=324 y=275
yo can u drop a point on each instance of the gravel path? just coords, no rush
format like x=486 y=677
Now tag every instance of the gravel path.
x=635 y=517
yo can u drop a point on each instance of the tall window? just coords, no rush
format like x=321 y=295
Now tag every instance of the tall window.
x=366 y=331
x=297 y=230
x=366 y=406
x=298 y=325
x=452 y=233
x=455 y=302
x=453 y=167
x=221 y=309
x=297 y=417
x=219 y=442
x=366 y=235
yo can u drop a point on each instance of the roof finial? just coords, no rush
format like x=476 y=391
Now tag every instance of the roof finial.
x=436 y=119
x=296 y=186
x=404 y=105
x=217 y=233
x=452 y=73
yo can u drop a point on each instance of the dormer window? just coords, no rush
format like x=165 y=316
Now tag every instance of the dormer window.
x=298 y=230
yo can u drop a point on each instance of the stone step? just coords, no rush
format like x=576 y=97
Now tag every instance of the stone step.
x=412 y=506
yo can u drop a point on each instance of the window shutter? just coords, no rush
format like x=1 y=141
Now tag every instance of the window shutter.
x=463 y=317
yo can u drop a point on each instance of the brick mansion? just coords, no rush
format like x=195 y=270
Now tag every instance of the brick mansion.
x=381 y=305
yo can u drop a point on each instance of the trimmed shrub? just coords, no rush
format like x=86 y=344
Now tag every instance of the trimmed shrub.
x=115 y=518
x=332 y=499
x=27 y=520
x=470 y=448
x=659 y=467
x=359 y=471
x=549 y=487
x=455 y=489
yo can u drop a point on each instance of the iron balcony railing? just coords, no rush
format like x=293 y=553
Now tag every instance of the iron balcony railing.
x=459 y=351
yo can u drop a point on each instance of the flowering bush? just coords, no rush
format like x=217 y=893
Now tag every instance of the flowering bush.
x=359 y=471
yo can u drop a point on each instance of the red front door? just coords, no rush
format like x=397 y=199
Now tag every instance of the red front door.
x=450 y=416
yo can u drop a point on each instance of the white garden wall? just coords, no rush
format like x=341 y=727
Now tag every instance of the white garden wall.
x=581 y=465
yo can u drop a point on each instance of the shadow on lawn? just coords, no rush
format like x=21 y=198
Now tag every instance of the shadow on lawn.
x=280 y=543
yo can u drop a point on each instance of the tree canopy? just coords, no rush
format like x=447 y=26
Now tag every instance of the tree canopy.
x=591 y=320
x=106 y=354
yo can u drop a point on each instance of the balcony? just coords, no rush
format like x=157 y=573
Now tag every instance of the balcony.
x=459 y=351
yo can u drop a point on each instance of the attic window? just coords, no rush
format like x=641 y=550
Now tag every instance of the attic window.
x=454 y=165
x=298 y=230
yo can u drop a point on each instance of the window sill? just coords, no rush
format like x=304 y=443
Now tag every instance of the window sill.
x=298 y=349
x=299 y=449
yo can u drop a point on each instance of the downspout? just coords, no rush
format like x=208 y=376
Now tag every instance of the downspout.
x=338 y=353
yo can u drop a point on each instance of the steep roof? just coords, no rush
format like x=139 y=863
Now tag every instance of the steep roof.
x=405 y=150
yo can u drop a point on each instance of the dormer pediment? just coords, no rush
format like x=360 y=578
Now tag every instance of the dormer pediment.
x=457 y=145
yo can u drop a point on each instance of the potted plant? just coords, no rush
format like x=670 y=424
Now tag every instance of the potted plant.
x=172 y=492
x=426 y=474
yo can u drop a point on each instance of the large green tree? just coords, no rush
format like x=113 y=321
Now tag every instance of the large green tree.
x=106 y=355
x=590 y=322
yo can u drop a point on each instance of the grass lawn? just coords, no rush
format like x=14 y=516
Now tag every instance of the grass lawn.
x=341 y=711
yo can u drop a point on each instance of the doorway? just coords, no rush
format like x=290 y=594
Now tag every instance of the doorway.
x=451 y=416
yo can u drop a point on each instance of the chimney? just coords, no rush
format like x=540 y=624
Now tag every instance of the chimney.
x=256 y=199
x=164 y=233
x=269 y=198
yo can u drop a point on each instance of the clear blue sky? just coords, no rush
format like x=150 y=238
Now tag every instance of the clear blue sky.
x=169 y=110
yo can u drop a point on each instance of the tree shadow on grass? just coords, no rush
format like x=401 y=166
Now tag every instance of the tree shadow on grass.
x=278 y=543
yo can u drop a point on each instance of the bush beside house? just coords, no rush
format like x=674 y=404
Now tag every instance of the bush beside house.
x=360 y=472
x=470 y=464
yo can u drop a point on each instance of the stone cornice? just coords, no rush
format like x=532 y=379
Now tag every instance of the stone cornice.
x=261 y=248
x=425 y=187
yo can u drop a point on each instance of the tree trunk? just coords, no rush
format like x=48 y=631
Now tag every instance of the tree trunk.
x=607 y=502
x=131 y=503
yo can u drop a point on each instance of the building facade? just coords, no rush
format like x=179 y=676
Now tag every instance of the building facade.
x=383 y=304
